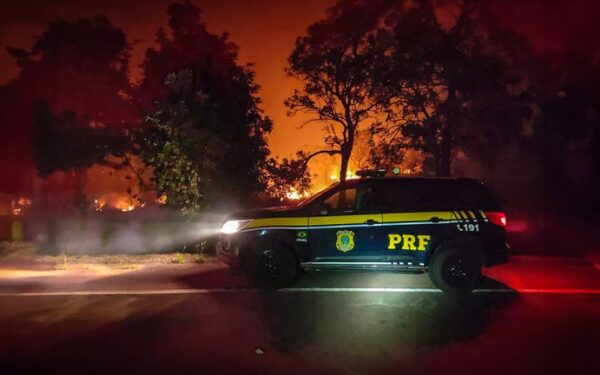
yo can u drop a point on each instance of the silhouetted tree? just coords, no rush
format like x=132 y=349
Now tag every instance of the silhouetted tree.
x=286 y=176
x=16 y=151
x=79 y=66
x=416 y=83
x=63 y=142
x=335 y=62
x=206 y=103
x=450 y=86
x=567 y=132
x=78 y=70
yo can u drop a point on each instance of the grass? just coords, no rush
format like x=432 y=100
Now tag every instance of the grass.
x=178 y=258
x=61 y=266
x=63 y=261
x=199 y=258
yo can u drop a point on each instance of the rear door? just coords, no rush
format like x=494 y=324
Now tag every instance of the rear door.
x=345 y=226
x=412 y=219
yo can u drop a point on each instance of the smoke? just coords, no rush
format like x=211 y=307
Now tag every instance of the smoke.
x=133 y=232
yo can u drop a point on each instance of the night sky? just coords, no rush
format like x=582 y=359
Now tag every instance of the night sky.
x=265 y=30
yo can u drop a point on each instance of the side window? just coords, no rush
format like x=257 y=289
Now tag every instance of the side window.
x=406 y=197
x=369 y=199
x=396 y=198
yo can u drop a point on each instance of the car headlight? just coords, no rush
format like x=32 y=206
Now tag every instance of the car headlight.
x=232 y=226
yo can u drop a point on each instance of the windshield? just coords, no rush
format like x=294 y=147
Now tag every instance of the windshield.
x=312 y=198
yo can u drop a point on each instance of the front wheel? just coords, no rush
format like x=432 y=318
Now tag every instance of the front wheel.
x=278 y=266
x=455 y=268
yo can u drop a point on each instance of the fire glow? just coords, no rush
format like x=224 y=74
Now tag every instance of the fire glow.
x=294 y=195
x=121 y=202
x=18 y=205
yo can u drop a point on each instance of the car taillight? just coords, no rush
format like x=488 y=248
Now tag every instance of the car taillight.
x=497 y=218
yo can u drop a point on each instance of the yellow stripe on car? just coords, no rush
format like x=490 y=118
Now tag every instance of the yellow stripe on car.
x=343 y=219
x=340 y=220
x=278 y=222
x=417 y=216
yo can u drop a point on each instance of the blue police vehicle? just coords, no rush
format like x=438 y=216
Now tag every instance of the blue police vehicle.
x=448 y=227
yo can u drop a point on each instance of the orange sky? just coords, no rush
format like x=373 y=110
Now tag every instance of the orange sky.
x=265 y=30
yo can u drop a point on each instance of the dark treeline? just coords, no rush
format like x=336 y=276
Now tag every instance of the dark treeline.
x=473 y=99
x=195 y=117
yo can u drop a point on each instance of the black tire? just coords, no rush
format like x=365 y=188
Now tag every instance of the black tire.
x=456 y=267
x=272 y=265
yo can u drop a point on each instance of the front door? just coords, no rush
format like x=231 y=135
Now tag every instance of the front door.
x=345 y=227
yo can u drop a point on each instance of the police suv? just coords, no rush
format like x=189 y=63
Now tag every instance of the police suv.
x=448 y=227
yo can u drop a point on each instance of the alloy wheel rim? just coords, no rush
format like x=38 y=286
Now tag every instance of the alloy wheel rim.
x=457 y=271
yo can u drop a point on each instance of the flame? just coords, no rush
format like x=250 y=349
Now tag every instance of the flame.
x=24 y=201
x=335 y=176
x=294 y=195
x=99 y=205
x=162 y=199
x=121 y=202
x=128 y=208
x=116 y=187
x=17 y=205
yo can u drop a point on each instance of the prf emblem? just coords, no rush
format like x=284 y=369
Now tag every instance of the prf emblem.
x=345 y=240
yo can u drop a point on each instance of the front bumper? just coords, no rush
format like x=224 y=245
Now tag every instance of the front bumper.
x=232 y=248
x=227 y=251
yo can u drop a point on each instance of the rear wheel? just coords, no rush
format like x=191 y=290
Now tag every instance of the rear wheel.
x=456 y=268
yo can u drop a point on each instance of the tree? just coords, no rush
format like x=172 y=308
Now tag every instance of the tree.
x=79 y=66
x=287 y=177
x=71 y=96
x=186 y=44
x=566 y=131
x=449 y=86
x=16 y=156
x=200 y=98
x=175 y=173
x=334 y=61
x=62 y=141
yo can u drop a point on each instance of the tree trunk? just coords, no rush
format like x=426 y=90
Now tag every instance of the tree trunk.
x=445 y=158
x=444 y=155
x=80 y=181
x=445 y=162
x=346 y=152
x=345 y=161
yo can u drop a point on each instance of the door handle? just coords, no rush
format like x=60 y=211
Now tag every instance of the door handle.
x=435 y=219
x=371 y=222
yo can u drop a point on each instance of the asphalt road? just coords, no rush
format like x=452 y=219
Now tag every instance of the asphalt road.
x=200 y=319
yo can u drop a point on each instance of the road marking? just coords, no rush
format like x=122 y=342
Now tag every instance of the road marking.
x=126 y=292
x=292 y=290
x=432 y=290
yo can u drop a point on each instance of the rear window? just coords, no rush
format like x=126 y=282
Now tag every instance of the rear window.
x=434 y=195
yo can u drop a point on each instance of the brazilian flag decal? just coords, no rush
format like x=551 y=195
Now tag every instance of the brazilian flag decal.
x=301 y=236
